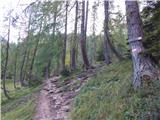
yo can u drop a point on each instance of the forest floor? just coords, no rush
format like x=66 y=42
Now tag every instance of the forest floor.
x=56 y=97
x=102 y=93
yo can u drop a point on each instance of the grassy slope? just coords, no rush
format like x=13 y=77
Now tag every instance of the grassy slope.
x=22 y=104
x=110 y=96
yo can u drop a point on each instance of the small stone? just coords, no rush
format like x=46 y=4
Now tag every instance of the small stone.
x=66 y=108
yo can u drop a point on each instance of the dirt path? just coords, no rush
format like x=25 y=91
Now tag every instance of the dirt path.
x=53 y=104
x=55 y=101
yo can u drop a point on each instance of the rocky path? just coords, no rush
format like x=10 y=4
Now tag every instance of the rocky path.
x=51 y=104
x=55 y=101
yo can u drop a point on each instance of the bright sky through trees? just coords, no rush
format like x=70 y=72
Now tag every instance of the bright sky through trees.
x=19 y=5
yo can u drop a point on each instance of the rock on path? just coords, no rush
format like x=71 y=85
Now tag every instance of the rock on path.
x=54 y=102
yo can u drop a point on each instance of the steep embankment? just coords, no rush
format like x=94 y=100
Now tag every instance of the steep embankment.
x=110 y=96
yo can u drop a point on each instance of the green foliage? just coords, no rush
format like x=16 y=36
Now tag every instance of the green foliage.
x=21 y=106
x=110 y=96
x=151 y=20
x=100 y=53
x=65 y=72
x=118 y=32
x=22 y=112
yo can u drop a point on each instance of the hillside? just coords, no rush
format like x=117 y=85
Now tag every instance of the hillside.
x=110 y=96
x=80 y=60
x=106 y=95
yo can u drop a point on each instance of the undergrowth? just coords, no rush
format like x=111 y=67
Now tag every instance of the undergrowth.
x=110 y=96
x=22 y=104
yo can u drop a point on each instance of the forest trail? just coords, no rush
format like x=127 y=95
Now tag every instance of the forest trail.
x=49 y=106
x=55 y=101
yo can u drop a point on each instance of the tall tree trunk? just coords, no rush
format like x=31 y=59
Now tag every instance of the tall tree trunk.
x=58 y=66
x=6 y=63
x=73 y=49
x=47 y=68
x=143 y=67
x=94 y=15
x=82 y=39
x=34 y=55
x=15 y=68
x=25 y=74
x=25 y=54
x=86 y=20
x=22 y=66
x=65 y=39
x=106 y=33
x=47 y=73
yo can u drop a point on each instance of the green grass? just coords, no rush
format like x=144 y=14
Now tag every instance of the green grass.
x=21 y=112
x=21 y=106
x=110 y=96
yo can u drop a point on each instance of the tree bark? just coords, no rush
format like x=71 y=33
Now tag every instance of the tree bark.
x=94 y=30
x=86 y=20
x=6 y=62
x=73 y=49
x=106 y=33
x=47 y=68
x=82 y=39
x=25 y=74
x=65 y=39
x=15 y=68
x=34 y=54
x=21 y=68
x=47 y=71
x=25 y=54
x=142 y=65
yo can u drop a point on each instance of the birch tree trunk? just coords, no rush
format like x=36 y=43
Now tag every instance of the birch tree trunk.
x=143 y=67
x=106 y=34
x=82 y=39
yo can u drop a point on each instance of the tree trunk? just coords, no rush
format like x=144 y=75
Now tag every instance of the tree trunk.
x=47 y=68
x=6 y=63
x=86 y=20
x=106 y=33
x=58 y=66
x=82 y=39
x=73 y=49
x=47 y=73
x=15 y=68
x=65 y=39
x=142 y=65
x=25 y=54
x=73 y=58
x=21 y=68
x=25 y=74
x=93 y=50
x=34 y=54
